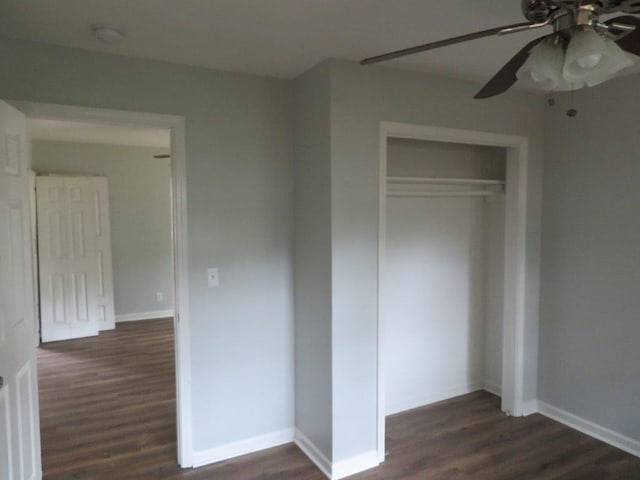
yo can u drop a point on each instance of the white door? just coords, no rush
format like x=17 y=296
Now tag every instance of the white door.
x=105 y=305
x=19 y=421
x=67 y=254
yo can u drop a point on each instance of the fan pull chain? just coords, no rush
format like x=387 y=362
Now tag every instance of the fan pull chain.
x=572 y=112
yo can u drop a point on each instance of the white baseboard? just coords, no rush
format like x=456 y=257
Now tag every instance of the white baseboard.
x=432 y=397
x=529 y=408
x=134 y=317
x=592 y=429
x=492 y=387
x=351 y=466
x=242 y=447
x=313 y=452
x=338 y=470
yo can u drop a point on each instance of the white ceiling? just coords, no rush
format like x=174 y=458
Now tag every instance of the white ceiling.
x=281 y=38
x=66 y=131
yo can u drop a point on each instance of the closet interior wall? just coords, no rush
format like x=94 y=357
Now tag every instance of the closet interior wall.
x=444 y=271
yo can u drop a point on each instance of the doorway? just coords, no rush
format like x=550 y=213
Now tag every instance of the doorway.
x=515 y=222
x=103 y=225
x=175 y=125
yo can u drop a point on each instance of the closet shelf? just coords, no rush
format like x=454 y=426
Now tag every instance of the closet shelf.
x=443 y=181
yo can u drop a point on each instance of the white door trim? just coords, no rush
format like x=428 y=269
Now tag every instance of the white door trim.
x=179 y=206
x=34 y=251
x=517 y=148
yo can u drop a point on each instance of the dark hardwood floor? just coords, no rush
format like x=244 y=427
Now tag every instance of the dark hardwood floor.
x=107 y=408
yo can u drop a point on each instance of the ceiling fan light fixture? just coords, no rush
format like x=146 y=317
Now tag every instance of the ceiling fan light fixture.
x=592 y=58
x=617 y=59
x=620 y=60
x=589 y=61
x=581 y=51
x=565 y=86
x=543 y=68
x=585 y=55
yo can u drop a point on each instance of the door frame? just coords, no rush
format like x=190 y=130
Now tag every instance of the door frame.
x=176 y=125
x=516 y=268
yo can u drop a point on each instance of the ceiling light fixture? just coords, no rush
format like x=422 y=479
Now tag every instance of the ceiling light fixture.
x=106 y=33
x=591 y=58
x=581 y=51
x=543 y=68
x=588 y=58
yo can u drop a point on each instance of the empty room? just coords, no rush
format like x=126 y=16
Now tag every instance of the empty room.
x=400 y=240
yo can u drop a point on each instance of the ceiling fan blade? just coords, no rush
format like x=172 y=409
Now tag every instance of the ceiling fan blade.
x=441 y=43
x=631 y=41
x=506 y=76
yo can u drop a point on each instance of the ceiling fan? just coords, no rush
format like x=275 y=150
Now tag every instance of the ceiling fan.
x=581 y=51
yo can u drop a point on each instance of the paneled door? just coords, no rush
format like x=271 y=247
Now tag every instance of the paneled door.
x=105 y=306
x=19 y=422
x=67 y=257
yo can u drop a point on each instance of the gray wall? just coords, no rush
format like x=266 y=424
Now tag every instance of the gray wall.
x=360 y=99
x=239 y=149
x=494 y=288
x=434 y=299
x=589 y=324
x=313 y=258
x=408 y=157
x=140 y=213
x=239 y=168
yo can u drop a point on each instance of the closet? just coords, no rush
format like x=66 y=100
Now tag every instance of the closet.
x=443 y=271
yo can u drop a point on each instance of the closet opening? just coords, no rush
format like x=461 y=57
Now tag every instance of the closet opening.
x=451 y=268
x=444 y=271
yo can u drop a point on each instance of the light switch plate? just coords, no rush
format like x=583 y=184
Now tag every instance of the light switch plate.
x=213 y=279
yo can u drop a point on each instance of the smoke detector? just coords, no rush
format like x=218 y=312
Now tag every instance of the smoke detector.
x=106 y=33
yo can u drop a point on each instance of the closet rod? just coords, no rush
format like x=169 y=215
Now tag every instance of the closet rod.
x=444 y=181
x=469 y=193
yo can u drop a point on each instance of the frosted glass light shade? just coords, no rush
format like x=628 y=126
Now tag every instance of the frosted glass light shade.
x=543 y=68
x=592 y=58
x=584 y=58
x=618 y=59
x=564 y=86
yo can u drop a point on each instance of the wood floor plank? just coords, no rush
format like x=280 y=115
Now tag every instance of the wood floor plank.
x=107 y=408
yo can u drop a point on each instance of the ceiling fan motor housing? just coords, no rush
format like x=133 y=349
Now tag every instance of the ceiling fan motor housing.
x=538 y=11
